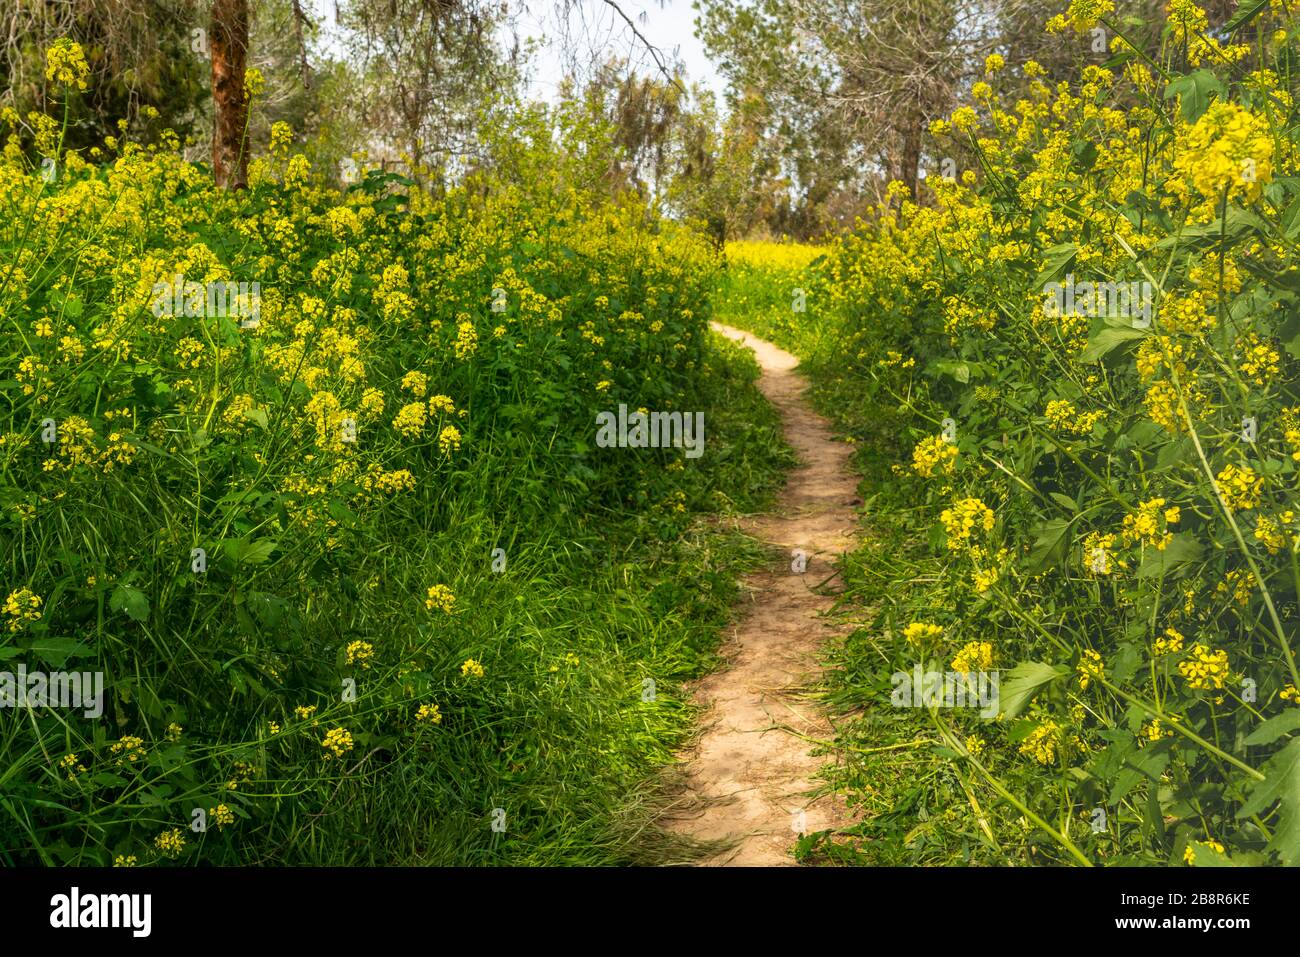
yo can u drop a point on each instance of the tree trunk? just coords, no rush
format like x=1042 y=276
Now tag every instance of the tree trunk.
x=229 y=44
x=716 y=226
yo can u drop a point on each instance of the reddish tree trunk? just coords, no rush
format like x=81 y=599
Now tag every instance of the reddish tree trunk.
x=229 y=44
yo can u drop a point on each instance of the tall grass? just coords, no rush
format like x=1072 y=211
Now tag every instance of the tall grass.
x=361 y=583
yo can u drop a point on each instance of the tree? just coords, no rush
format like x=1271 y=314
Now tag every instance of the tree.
x=855 y=83
x=139 y=52
x=229 y=51
x=879 y=68
x=724 y=172
x=642 y=114
x=425 y=69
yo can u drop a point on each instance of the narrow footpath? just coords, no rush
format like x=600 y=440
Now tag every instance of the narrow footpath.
x=748 y=776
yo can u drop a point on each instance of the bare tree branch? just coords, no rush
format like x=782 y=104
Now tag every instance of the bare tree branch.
x=298 y=19
x=653 y=50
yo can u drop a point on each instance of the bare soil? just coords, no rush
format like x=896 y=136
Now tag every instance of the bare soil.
x=749 y=775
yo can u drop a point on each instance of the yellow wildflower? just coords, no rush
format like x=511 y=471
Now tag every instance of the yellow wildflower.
x=440 y=597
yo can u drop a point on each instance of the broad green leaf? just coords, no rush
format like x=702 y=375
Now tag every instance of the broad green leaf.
x=268 y=608
x=258 y=552
x=963 y=372
x=1290 y=220
x=1123 y=782
x=1023 y=682
x=1236 y=224
x=1246 y=11
x=1205 y=856
x=1064 y=501
x=1174 y=451
x=1055 y=261
x=130 y=600
x=1282 y=784
x=1125 y=662
x=249 y=553
x=1085 y=154
x=1276 y=726
x=1051 y=544
x=1147 y=763
x=1108 y=338
x=1153 y=818
x=1183 y=548
x=1150 y=761
x=1289 y=333
x=57 y=651
x=1195 y=90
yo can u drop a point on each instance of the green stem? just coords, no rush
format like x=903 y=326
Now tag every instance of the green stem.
x=1015 y=802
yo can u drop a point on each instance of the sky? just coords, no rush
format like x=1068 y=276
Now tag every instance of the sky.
x=595 y=25
x=666 y=24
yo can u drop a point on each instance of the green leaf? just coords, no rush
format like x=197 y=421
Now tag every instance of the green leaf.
x=258 y=552
x=1108 y=338
x=1289 y=333
x=1246 y=11
x=1195 y=91
x=172 y=757
x=1122 y=783
x=963 y=372
x=339 y=509
x=1051 y=545
x=1150 y=761
x=57 y=651
x=1276 y=726
x=1085 y=154
x=1124 y=664
x=1282 y=784
x=1236 y=224
x=1175 y=451
x=268 y=608
x=1055 y=262
x=245 y=553
x=131 y=600
x=1205 y=856
x=1290 y=220
x=1064 y=501
x=1183 y=548
x=1026 y=680
x=1153 y=820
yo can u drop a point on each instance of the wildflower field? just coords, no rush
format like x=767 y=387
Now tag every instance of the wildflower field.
x=1100 y=501
x=322 y=465
x=361 y=584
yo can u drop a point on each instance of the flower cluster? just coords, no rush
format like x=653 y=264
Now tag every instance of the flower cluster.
x=933 y=455
x=1204 y=668
x=964 y=519
x=65 y=63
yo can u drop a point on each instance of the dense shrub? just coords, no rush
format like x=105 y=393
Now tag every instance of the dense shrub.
x=345 y=549
x=1107 y=497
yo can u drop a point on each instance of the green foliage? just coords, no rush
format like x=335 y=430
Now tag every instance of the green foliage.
x=277 y=538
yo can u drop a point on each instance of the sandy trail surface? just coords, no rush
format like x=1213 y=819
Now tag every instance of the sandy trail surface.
x=748 y=777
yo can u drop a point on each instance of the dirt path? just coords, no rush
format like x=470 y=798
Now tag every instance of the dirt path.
x=747 y=779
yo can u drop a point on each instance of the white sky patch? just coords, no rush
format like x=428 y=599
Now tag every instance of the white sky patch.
x=590 y=25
